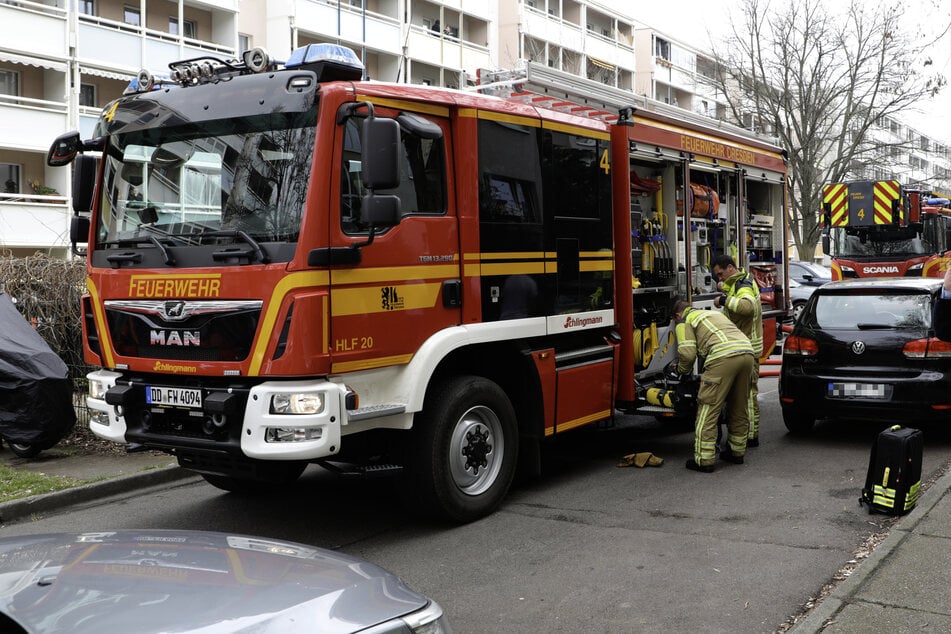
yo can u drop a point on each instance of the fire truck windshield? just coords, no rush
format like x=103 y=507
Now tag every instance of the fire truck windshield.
x=879 y=242
x=247 y=176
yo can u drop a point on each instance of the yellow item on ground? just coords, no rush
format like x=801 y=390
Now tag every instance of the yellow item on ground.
x=641 y=460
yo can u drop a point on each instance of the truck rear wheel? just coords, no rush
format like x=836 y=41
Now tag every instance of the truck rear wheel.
x=278 y=474
x=464 y=447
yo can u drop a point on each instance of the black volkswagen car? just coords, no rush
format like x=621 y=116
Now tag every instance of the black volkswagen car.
x=866 y=349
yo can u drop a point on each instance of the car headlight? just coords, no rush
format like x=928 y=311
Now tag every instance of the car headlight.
x=429 y=620
x=297 y=403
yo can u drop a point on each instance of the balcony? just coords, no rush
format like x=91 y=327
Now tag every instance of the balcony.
x=551 y=28
x=100 y=41
x=32 y=28
x=445 y=50
x=33 y=221
x=330 y=20
x=31 y=124
x=607 y=50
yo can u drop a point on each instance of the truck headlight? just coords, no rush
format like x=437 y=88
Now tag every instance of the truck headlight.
x=297 y=403
x=97 y=390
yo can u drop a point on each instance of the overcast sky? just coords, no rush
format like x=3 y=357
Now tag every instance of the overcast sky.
x=690 y=21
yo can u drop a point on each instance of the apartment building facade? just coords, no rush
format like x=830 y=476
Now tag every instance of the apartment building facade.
x=62 y=60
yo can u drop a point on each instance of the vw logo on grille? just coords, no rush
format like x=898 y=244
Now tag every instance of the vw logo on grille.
x=858 y=347
x=174 y=311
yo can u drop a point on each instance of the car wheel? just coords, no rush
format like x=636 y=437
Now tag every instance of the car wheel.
x=464 y=447
x=798 y=421
x=797 y=309
x=24 y=450
x=275 y=476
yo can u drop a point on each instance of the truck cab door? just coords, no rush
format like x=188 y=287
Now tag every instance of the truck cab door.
x=404 y=285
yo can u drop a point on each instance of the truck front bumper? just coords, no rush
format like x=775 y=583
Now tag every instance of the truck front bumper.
x=273 y=420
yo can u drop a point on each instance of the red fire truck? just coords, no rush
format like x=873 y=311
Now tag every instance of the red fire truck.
x=883 y=229
x=289 y=265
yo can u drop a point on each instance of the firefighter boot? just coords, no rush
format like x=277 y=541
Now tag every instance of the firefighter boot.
x=703 y=468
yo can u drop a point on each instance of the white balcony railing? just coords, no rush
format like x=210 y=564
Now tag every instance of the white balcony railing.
x=105 y=41
x=329 y=20
x=33 y=28
x=31 y=124
x=30 y=220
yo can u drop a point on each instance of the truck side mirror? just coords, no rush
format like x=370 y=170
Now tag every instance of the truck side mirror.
x=827 y=215
x=825 y=242
x=84 y=182
x=381 y=144
x=64 y=149
x=380 y=210
x=79 y=233
x=896 y=211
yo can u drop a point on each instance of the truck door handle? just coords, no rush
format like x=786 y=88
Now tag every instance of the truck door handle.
x=452 y=293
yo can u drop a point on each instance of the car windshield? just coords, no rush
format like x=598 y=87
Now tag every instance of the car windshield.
x=245 y=175
x=871 y=309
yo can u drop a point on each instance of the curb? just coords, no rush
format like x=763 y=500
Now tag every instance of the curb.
x=832 y=604
x=15 y=509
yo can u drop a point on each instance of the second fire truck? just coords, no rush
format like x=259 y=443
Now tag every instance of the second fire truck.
x=883 y=229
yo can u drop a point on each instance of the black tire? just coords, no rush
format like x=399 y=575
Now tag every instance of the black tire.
x=463 y=451
x=798 y=421
x=279 y=474
x=24 y=450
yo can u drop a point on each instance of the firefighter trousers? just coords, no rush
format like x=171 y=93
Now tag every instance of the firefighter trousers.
x=725 y=380
x=754 y=401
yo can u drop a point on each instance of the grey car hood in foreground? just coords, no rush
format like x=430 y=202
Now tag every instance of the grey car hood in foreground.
x=191 y=581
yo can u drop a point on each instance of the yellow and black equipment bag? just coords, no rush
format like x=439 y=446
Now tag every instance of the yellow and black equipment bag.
x=893 y=483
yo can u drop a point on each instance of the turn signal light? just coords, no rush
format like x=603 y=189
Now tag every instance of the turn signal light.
x=801 y=346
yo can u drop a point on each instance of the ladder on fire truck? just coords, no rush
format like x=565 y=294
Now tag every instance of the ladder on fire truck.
x=545 y=87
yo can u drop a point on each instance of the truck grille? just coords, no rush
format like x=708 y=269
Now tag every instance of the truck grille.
x=183 y=330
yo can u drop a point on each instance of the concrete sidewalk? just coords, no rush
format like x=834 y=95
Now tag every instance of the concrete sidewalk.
x=103 y=474
x=904 y=585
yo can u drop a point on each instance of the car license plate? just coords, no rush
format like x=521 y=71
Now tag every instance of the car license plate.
x=173 y=397
x=858 y=390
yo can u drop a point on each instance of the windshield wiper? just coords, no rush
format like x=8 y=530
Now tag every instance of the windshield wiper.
x=169 y=261
x=222 y=254
x=874 y=326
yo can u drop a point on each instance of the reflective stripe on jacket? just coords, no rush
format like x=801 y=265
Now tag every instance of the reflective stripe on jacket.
x=743 y=307
x=710 y=335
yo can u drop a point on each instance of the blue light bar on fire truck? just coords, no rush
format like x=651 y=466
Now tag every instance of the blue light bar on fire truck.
x=328 y=61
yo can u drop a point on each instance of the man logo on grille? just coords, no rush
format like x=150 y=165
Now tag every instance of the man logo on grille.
x=174 y=311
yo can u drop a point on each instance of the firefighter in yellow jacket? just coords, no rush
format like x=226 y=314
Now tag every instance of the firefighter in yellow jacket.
x=727 y=365
x=740 y=302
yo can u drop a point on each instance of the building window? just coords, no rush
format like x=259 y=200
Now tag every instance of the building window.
x=10 y=177
x=87 y=95
x=86 y=7
x=188 y=30
x=132 y=15
x=9 y=82
x=244 y=42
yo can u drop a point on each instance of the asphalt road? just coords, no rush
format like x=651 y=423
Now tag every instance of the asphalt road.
x=589 y=547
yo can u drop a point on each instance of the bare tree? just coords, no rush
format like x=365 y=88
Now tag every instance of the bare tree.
x=823 y=81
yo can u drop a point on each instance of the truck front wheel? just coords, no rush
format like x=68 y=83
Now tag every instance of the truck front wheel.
x=462 y=456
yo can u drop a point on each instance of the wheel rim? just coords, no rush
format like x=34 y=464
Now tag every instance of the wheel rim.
x=797 y=310
x=476 y=450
